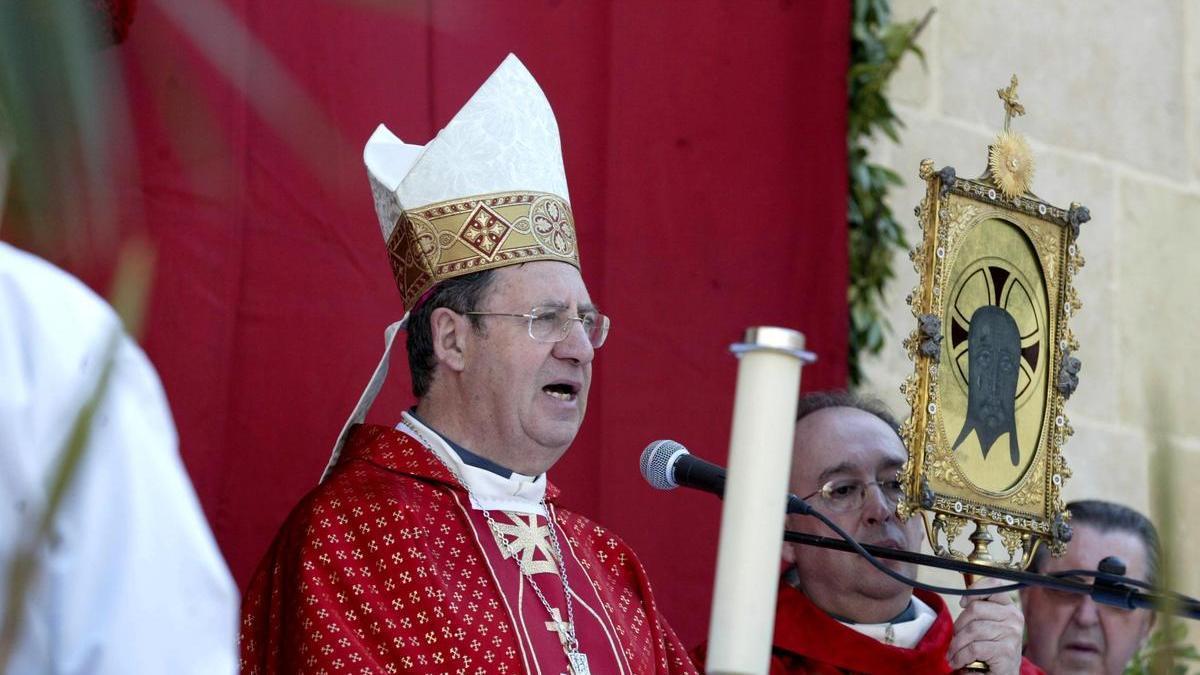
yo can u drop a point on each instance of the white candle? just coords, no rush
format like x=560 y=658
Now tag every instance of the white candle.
x=752 y=517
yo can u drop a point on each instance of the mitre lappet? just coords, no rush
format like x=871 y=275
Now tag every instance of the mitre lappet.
x=488 y=191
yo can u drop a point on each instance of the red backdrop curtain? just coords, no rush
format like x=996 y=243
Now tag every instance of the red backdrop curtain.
x=705 y=149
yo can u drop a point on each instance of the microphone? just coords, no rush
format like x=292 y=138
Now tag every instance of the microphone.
x=667 y=465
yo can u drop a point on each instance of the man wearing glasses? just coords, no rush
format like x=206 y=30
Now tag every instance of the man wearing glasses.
x=835 y=612
x=437 y=546
x=1069 y=633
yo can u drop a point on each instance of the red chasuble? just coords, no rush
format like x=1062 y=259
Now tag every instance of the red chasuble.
x=386 y=568
x=809 y=641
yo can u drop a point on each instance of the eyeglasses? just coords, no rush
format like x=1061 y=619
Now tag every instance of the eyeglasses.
x=553 y=324
x=843 y=496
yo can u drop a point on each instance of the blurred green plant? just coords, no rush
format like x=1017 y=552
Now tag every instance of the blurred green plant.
x=876 y=48
x=53 y=87
x=1169 y=649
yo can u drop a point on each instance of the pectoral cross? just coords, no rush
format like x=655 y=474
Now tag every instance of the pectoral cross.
x=577 y=660
x=557 y=624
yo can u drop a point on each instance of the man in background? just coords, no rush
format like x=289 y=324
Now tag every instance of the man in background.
x=1069 y=633
x=835 y=611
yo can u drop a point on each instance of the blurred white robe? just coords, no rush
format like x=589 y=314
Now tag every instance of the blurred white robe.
x=131 y=580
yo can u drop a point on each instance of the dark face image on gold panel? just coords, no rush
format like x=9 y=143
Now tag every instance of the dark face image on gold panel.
x=993 y=380
x=994 y=349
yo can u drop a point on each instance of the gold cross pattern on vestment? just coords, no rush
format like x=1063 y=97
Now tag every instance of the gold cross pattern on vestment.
x=527 y=539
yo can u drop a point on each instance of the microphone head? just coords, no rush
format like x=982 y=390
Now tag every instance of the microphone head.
x=658 y=463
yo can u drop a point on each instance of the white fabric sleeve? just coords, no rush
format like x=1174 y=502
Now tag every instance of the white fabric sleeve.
x=130 y=580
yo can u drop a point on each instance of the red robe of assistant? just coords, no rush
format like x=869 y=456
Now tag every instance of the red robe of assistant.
x=808 y=641
x=386 y=568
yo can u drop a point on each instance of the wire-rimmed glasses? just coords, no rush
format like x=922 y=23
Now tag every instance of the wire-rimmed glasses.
x=553 y=324
x=843 y=496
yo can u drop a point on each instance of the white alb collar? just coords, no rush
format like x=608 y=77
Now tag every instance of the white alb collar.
x=488 y=491
x=905 y=635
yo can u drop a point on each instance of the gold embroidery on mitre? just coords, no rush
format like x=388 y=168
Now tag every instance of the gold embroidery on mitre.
x=485 y=231
x=448 y=239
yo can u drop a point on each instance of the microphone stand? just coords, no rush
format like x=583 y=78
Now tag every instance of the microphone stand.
x=1106 y=589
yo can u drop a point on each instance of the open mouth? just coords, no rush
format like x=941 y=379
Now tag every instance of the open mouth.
x=563 y=391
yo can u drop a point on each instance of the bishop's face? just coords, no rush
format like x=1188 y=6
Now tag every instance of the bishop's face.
x=529 y=397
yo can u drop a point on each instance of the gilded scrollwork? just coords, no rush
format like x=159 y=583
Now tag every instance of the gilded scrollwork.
x=958 y=216
x=948 y=527
x=1014 y=540
x=1035 y=493
x=943 y=470
x=1045 y=240
x=917 y=253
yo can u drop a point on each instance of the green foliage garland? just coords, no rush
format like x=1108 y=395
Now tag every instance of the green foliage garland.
x=876 y=47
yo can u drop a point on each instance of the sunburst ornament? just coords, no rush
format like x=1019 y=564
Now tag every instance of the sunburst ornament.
x=1011 y=162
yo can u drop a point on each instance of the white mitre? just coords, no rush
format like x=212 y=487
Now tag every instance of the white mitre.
x=488 y=191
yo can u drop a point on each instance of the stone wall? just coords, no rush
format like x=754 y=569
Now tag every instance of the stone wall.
x=1112 y=91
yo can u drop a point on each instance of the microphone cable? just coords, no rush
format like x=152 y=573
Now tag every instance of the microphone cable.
x=657 y=467
x=808 y=510
x=907 y=581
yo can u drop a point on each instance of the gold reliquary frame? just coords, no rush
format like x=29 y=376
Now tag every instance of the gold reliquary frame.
x=993 y=360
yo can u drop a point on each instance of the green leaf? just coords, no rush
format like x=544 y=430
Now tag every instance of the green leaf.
x=876 y=48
